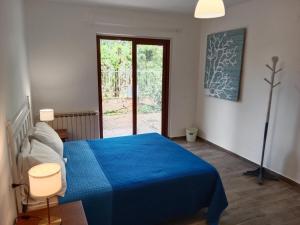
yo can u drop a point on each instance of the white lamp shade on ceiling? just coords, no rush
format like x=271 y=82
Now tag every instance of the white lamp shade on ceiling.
x=45 y=180
x=206 y=9
x=46 y=115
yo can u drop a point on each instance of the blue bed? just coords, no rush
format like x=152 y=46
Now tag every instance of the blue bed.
x=140 y=180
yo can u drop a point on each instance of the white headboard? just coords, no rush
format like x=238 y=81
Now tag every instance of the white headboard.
x=17 y=131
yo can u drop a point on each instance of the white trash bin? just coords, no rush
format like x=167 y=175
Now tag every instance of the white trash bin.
x=191 y=134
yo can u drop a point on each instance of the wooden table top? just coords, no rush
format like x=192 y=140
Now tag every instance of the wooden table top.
x=70 y=213
x=62 y=133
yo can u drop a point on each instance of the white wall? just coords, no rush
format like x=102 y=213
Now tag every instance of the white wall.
x=273 y=29
x=14 y=87
x=62 y=53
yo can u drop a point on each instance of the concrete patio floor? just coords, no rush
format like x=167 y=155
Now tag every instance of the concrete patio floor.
x=121 y=125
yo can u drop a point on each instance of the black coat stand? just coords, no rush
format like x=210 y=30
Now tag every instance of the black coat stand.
x=261 y=173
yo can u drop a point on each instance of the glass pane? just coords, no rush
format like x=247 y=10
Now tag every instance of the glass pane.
x=149 y=88
x=116 y=69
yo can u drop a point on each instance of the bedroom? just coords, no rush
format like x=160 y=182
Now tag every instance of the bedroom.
x=49 y=52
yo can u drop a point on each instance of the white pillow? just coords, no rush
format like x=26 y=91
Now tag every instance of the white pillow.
x=47 y=135
x=23 y=178
x=41 y=153
x=25 y=151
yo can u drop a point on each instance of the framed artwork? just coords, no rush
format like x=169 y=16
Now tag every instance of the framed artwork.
x=224 y=59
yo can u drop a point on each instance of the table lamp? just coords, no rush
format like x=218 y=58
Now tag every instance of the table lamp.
x=46 y=115
x=45 y=182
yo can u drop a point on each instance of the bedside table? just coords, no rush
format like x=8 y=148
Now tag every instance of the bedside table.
x=63 y=134
x=70 y=213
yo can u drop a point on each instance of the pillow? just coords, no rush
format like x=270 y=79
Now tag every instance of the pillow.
x=25 y=151
x=41 y=153
x=47 y=135
x=44 y=125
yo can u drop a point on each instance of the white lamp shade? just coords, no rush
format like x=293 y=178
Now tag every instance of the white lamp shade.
x=45 y=180
x=46 y=115
x=206 y=9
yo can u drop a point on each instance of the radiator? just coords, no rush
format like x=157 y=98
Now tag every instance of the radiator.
x=79 y=125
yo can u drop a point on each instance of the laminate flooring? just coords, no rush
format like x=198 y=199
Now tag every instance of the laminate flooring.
x=274 y=203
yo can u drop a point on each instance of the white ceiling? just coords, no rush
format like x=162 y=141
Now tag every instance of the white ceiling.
x=175 y=6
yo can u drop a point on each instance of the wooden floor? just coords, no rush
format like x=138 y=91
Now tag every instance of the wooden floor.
x=274 y=203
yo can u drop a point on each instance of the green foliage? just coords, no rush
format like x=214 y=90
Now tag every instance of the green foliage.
x=116 y=58
x=116 y=112
x=116 y=63
x=144 y=108
x=149 y=74
x=149 y=57
x=115 y=54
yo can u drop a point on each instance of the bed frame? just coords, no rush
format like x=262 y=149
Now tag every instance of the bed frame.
x=17 y=130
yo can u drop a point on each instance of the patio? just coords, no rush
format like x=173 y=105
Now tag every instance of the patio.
x=121 y=125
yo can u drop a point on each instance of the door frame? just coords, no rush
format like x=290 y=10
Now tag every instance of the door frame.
x=165 y=79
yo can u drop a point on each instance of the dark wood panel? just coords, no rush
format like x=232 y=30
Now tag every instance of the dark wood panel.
x=165 y=90
x=99 y=87
x=134 y=87
x=138 y=40
x=70 y=213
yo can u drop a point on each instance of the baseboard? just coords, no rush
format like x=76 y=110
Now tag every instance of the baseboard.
x=286 y=179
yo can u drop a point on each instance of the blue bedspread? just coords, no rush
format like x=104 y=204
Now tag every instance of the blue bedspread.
x=140 y=180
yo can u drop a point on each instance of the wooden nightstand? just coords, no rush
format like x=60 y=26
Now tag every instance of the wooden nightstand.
x=63 y=134
x=70 y=213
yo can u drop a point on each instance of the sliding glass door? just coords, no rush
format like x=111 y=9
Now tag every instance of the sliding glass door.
x=149 y=88
x=133 y=85
x=116 y=75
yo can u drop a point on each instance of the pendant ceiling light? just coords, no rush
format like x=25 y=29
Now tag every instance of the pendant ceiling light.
x=206 y=9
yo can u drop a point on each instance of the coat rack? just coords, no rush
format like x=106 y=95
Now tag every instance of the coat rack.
x=261 y=173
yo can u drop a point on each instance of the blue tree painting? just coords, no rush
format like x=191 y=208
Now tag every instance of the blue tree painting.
x=224 y=58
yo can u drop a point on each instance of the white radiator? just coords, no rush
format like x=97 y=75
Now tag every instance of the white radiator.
x=79 y=125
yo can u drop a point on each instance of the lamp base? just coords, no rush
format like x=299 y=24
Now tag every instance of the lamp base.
x=53 y=221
